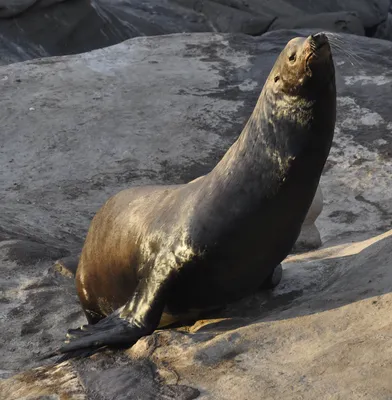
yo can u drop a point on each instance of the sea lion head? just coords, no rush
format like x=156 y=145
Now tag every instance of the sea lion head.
x=303 y=65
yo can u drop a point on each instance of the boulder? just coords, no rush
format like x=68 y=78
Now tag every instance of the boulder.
x=224 y=18
x=384 y=31
x=77 y=26
x=265 y=8
x=276 y=8
x=371 y=12
x=345 y=22
x=32 y=28
x=11 y=8
x=79 y=128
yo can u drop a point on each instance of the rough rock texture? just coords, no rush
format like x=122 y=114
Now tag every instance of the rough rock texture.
x=35 y=28
x=77 y=129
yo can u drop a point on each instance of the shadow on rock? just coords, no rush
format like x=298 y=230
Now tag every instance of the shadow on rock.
x=314 y=282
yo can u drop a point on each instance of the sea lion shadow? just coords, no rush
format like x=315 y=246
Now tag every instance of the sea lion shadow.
x=314 y=282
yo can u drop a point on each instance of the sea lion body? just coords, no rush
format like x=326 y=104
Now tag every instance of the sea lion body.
x=217 y=238
x=228 y=270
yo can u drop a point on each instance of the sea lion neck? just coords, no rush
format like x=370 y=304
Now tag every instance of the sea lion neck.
x=273 y=136
x=282 y=149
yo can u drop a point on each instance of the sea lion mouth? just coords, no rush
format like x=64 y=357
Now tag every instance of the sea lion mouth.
x=318 y=48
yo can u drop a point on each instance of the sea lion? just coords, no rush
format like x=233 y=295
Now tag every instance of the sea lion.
x=218 y=238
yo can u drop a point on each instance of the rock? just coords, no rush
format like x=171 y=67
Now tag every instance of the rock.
x=228 y=19
x=276 y=8
x=36 y=303
x=346 y=22
x=371 y=12
x=11 y=8
x=106 y=378
x=83 y=127
x=58 y=27
x=25 y=252
x=329 y=339
x=384 y=31
x=78 y=26
x=44 y=384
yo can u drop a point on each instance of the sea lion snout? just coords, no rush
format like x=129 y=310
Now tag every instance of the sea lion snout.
x=318 y=52
x=317 y=46
x=319 y=40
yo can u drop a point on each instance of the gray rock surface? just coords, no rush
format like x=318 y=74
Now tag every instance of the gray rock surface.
x=77 y=129
x=384 y=31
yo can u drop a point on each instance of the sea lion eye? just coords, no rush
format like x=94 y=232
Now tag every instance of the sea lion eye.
x=292 y=57
x=276 y=78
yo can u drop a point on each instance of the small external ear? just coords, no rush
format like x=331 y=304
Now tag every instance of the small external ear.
x=277 y=77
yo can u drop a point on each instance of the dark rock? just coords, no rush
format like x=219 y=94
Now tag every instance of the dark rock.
x=276 y=8
x=76 y=26
x=26 y=253
x=384 y=31
x=231 y=20
x=370 y=12
x=55 y=27
x=345 y=22
x=11 y=8
x=44 y=384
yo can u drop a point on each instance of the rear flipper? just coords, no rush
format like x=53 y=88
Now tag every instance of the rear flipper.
x=273 y=279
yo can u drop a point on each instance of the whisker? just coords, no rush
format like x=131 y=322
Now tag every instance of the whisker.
x=338 y=44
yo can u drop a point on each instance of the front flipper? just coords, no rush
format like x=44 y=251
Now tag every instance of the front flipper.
x=112 y=331
x=139 y=317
